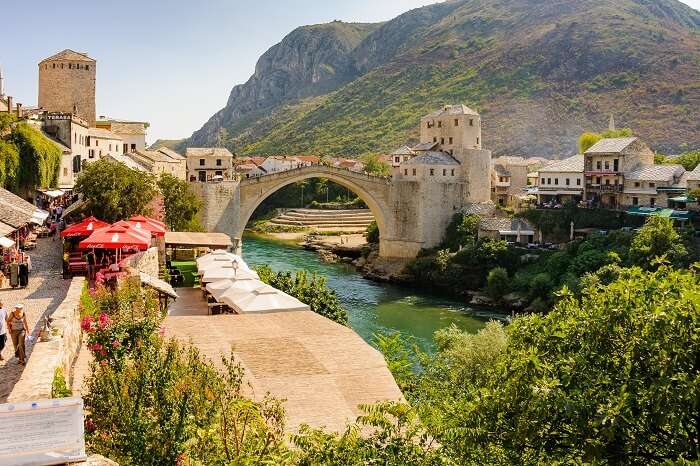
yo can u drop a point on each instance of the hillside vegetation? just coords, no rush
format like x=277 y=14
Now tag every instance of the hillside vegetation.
x=540 y=73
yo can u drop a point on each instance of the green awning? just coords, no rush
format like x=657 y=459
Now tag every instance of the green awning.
x=660 y=211
x=683 y=199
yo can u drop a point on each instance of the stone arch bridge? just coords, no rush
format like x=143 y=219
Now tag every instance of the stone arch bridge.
x=409 y=214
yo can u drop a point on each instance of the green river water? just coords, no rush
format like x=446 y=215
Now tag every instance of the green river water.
x=372 y=307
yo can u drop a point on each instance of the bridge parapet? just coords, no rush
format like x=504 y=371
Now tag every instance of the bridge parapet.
x=316 y=168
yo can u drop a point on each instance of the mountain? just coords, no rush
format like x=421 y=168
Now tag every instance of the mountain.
x=539 y=71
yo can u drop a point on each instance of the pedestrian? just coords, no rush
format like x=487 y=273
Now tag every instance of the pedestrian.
x=3 y=329
x=14 y=273
x=17 y=323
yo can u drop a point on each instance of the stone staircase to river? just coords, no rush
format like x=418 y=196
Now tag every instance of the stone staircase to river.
x=347 y=220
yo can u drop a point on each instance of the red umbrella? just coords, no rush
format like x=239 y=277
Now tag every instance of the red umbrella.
x=116 y=237
x=153 y=227
x=84 y=228
x=131 y=227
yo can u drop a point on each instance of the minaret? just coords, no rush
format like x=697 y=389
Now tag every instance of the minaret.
x=611 y=123
x=2 y=83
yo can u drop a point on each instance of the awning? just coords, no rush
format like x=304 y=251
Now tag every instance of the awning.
x=683 y=199
x=39 y=216
x=6 y=229
x=515 y=233
x=6 y=242
x=83 y=228
x=660 y=211
x=157 y=284
x=54 y=193
x=198 y=240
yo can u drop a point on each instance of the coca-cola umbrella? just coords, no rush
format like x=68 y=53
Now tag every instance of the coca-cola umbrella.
x=116 y=237
x=83 y=228
x=154 y=227
x=131 y=227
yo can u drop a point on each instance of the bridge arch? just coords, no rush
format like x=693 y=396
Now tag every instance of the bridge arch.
x=374 y=191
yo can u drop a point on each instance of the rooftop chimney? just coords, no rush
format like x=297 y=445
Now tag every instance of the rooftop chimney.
x=9 y=104
x=19 y=110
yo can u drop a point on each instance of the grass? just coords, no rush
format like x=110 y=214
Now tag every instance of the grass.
x=189 y=272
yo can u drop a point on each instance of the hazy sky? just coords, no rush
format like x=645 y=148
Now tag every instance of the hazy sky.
x=169 y=62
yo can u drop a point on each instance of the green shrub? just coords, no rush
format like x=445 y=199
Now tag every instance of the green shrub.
x=497 y=283
x=540 y=286
x=59 y=387
x=372 y=234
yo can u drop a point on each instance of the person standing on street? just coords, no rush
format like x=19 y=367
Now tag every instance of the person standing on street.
x=17 y=322
x=3 y=329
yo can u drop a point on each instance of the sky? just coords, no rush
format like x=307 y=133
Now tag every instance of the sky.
x=169 y=62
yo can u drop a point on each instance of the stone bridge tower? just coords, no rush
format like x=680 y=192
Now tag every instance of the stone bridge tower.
x=67 y=84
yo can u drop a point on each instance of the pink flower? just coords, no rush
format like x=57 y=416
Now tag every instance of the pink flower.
x=103 y=352
x=99 y=277
x=95 y=347
x=161 y=330
x=104 y=321
x=87 y=324
x=116 y=344
x=103 y=363
x=89 y=425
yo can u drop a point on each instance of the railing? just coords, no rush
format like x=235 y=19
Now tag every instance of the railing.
x=605 y=188
x=316 y=167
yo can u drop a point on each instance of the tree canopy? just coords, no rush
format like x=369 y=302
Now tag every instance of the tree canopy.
x=112 y=191
x=375 y=166
x=181 y=204
x=587 y=139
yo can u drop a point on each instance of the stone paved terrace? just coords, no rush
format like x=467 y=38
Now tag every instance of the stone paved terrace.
x=322 y=369
x=45 y=292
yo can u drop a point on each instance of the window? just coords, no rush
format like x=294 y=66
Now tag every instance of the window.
x=133 y=147
x=578 y=181
x=434 y=139
x=556 y=181
x=456 y=122
x=442 y=140
x=542 y=182
x=616 y=165
x=218 y=162
x=636 y=184
x=450 y=140
x=635 y=201
x=219 y=173
x=110 y=147
x=607 y=165
x=549 y=181
x=75 y=138
x=91 y=153
x=432 y=172
x=201 y=162
x=397 y=159
x=598 y=165
x=597 y=180
x=477 y=140
x=97 y=142
x=70 y=66
x=87 y=67
x=652 y=185
x=405 y=171
x=453 y=172
x=471 y=122
x=100 y=153
x=444 y=172
x=54 y=65
x=652 y=202
x=414 y=172
x=568 y=182
x=439 y=124
x=65 y=171
x=607 y=181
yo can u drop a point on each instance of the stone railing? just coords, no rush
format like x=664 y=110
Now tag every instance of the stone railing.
x=146 y=262
x=60 y=352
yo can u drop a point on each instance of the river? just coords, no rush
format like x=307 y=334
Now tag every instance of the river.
x=372 y=307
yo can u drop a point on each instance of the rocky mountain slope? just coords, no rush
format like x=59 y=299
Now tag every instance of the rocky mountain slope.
x=540 y=72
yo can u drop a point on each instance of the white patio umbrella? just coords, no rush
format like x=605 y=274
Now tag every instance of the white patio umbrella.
x=266 y=299
x=239 y=289
x=219 y=254
x=217 y=289
x=226 y=273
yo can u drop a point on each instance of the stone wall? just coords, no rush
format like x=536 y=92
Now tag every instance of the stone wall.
x=61 y=89
x=146 y=262
x=46 y=357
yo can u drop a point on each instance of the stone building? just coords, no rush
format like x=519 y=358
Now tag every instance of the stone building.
x=652 y=185
x=456 y=130
x=561 y=181
x=67 y=84
x=161 y=160
x=509 y=179
x=132 y=133
x=605 y=164
x=204 y=163
x=102 y=142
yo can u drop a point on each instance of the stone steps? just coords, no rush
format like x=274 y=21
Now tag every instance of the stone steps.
x=325 y=218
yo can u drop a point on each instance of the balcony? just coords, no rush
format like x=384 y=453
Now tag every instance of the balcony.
x=604 y=188
x=590 y=172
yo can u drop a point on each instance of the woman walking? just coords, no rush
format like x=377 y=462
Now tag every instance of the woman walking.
x=3 y=329
x=17 y=323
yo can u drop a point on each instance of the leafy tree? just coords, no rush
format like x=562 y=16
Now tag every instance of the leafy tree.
x=617 y=133
x=313 y=292
x=540 y=286
x=39 y=159
x=6 y=121
x=689 y=160
x=375 y=166
x=657 y=238
x=587 y=140
x=181 y=204
x=112 y=191
x=462 y=230
x=497 y=283
x=9 y=164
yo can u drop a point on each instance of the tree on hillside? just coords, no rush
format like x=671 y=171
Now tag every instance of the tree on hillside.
x=112 y=191
x=375 y=166
x=181 y=204
x=655 y=239
x=689 y=160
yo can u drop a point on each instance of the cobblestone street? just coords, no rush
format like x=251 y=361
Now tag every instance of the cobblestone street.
x=45 y=292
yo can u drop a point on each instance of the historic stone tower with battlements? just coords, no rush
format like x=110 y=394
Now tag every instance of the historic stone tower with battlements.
x=67 y=84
